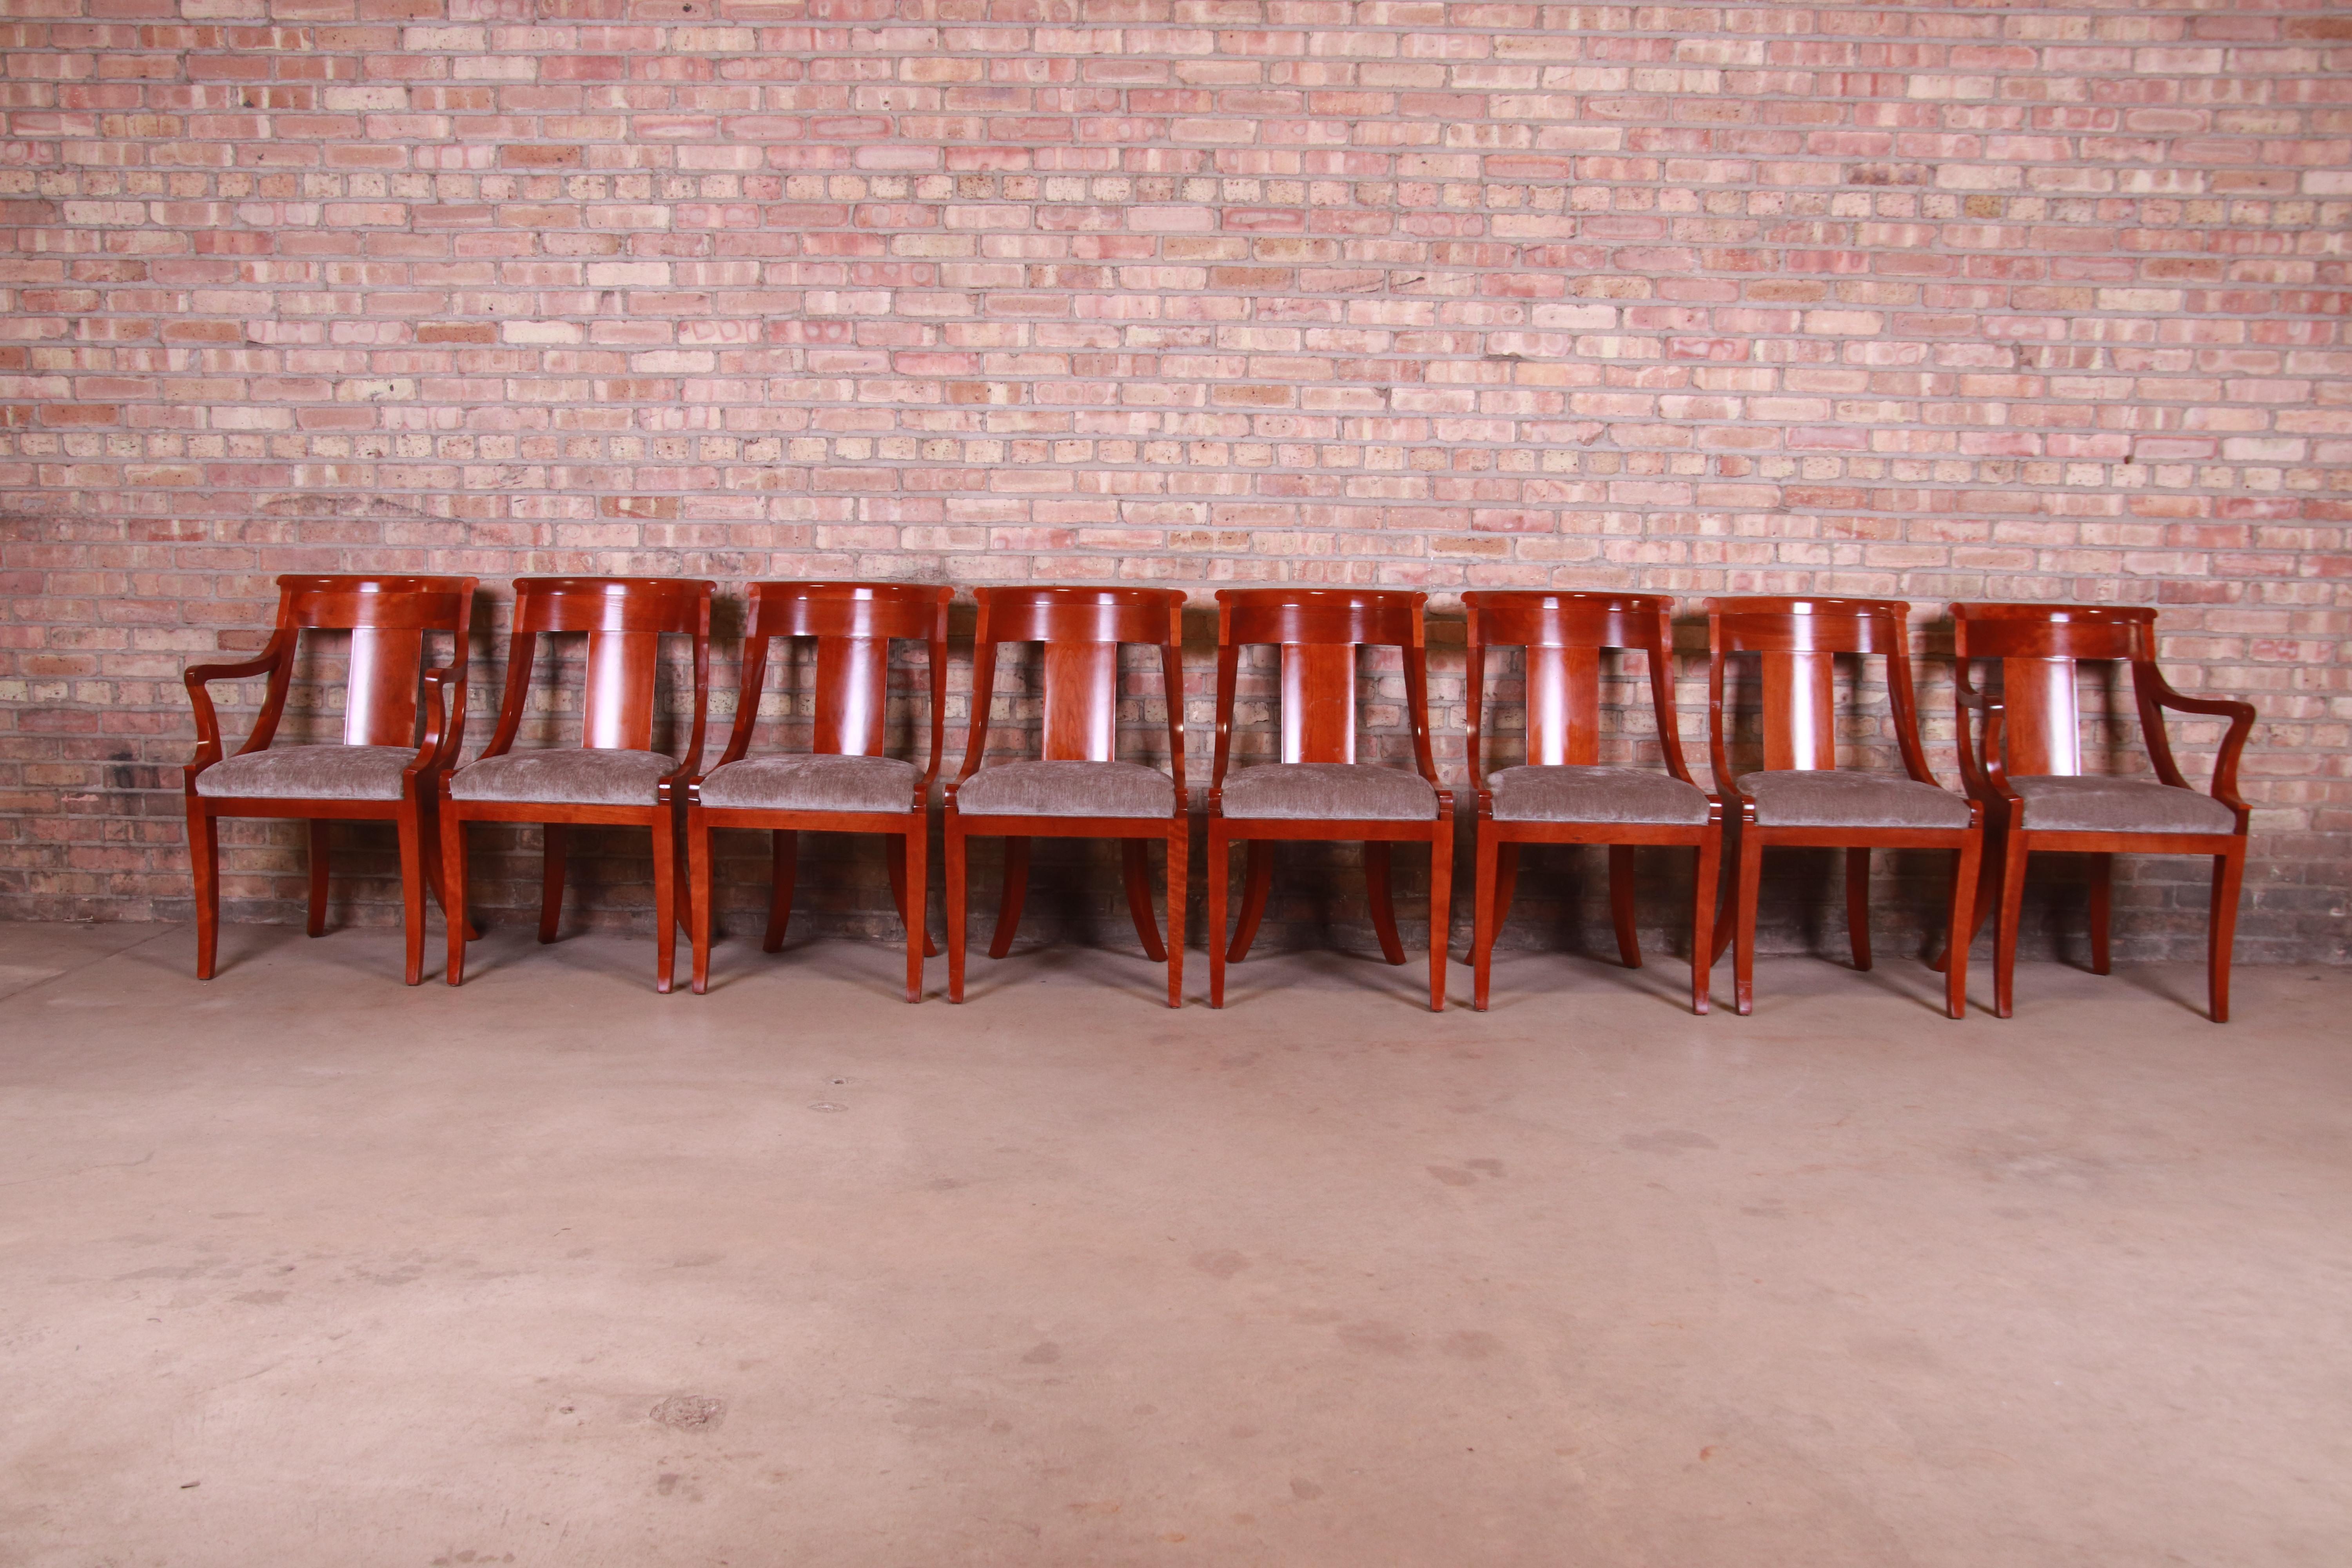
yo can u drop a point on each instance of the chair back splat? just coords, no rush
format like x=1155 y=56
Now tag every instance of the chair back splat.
x=1798 y=642
x=1562 y=636
x=625 y=619
x=853 y=625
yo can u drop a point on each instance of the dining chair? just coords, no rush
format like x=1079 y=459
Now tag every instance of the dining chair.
x=1801 y=798
x=1077 y=787
x=1562 y=793
x=2025 y=765
x=382 y=770
x=613 y=777
x=846 y=782
x=1319 y=791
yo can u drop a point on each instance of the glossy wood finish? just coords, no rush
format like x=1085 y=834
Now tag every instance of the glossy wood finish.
x=388 y=619
x=2033 y=726
x=1796 y=641
x=853 y=626
x=1081 y=630
x=625 y=619
x=1318 y=631
x=1562 y=636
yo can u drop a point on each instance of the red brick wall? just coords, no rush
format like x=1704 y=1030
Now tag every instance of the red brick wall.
x=2027 y=300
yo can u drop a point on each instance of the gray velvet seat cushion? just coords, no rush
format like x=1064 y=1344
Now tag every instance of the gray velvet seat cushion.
x=814 y=783
x=1329 y=791
x=577 y=775
x=1594 y=794
x=1067 y=789
x=1836 y=799
x=2059 y=805
x=311 y=773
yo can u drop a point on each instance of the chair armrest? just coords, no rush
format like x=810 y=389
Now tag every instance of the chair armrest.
x=2240 y=715
x=1982 y=776
x=208 y=733
x=444 y=720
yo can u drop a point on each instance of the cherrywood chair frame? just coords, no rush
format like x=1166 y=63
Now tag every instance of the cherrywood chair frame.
x=388 y=617
x=1563 y=635
x=1797 y=640
x=2034 y=727
x=853 y=625
x=626 y=619
x=1081 y=629
x=1318 y=631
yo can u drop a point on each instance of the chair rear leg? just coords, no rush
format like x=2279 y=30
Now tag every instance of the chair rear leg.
x=783 y=867
x=2103 y=889
x=321 y=861
x=1621 y=904
x=1136 y=855
x=1706 y=892
x=1257 y=873
x=1507 y=881
x=2221 y=933
x=1380 y=893
x=554 y=844
x=1014 y=892
x=1857 y=903
x=203 y=863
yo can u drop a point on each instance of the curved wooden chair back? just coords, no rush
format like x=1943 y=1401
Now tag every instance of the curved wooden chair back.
x=1081 y=629
x=853 y=625
x=387 y=618
x=1797 y=641
x=2039 y=647
x=1318 y=631
x=625 y=619
x=1563 y=635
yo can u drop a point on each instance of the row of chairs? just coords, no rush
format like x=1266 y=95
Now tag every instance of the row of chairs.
x=2020 y=750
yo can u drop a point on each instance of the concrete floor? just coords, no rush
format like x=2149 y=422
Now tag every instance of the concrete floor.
x=302 y=1267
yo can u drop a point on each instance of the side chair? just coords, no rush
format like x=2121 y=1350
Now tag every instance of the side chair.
x=2025 y=766
x=1319 y=791
x=1801 y=798
x=1077 y=788
x=1562 y=794
x=613 y=777
x=844 y=783
x=381 y=773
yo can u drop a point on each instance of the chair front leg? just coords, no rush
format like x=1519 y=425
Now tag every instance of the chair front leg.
x=412 y=835
x=204 y=864
x=1964 y=890
x=2221 y=931
x=915 y=873
x=1441 y=910
x=665 y=838
x=1743 y=944
x=321 y=861
x=1706 y=890
x=453 y=890
x=895 y=852
x=2012 y=908
x=697 y=876
x=1180 y=851
x=1219 y=869
x=957 y=915
x=1485 y=914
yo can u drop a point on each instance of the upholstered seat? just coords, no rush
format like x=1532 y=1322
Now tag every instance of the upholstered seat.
x=1328 y=792
x=1828 y=798
x=1067 y=789
x=309 y=772
x=813 y=782
x=2057 y=804
x=579 y=775
x=1594 y=794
